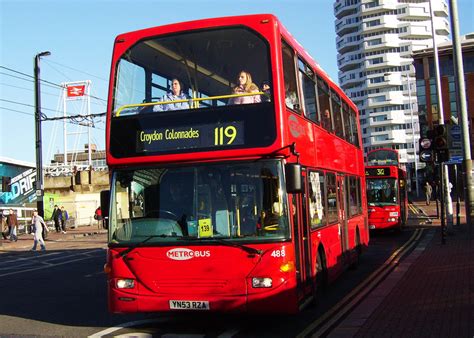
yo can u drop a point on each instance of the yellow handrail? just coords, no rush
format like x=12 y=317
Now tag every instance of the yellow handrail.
x=198 y=99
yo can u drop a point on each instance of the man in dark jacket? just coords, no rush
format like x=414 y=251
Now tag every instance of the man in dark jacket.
x=55 y=218
x=12 y=222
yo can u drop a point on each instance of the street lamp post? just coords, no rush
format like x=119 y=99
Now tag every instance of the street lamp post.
x=39 y=160
x=413 y=134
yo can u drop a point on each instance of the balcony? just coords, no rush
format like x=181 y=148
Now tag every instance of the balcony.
x=348 y=43
x=342 y=9
x=440 y=9
x=388 y=138
x=417 y=32
x=420 y=12
x=385 y=41
x=385 y=99
x=347 y=82
x=442 y=26
x=398 y=136
x=346 y=25
x=393 y=117
x=372 y=25
x=348 y=63
x=383 y=61
x=367 y=6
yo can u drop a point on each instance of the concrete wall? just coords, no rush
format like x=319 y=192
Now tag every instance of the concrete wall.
x=80 y=200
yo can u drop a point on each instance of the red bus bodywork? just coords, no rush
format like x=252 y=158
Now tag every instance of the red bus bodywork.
x=386 y=191
x=217 y=277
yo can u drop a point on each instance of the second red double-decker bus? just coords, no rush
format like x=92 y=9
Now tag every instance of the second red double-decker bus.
x=386 y=190
x=237 y=171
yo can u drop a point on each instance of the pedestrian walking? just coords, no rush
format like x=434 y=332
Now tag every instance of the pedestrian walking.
x=428 y=192
x=38 y=225
x=3 y=226
x=98 y=216
x=55 y=217
x=64 y=217
x=12 y=222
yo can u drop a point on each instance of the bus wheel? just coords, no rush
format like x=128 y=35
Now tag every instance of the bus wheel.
x=321 y=279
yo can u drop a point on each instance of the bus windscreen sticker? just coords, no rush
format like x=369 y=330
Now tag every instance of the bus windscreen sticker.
x=189 y=137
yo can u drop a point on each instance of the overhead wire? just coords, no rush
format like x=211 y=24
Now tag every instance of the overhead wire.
x=45 y=81
x=77 y=70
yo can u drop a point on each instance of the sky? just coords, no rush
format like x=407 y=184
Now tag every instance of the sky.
x=80 y=34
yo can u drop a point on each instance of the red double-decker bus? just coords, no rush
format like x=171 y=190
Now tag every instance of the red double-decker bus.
x=386 y=190
x=237 y=172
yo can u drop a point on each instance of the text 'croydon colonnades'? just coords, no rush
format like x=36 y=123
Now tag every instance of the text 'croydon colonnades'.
x=196 y=136
x=170 y=134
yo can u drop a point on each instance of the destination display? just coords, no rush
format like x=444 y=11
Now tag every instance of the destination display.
x=189 y=137
x=385 y=171
x=193 y=130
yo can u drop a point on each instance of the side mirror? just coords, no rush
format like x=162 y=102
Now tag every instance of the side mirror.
x=293 y=178
x=105 y=203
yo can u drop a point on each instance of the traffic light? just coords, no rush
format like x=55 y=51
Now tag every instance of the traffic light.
x=441 y=138
x=440 y=143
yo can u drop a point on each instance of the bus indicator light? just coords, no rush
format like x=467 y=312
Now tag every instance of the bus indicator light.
x=287 y=267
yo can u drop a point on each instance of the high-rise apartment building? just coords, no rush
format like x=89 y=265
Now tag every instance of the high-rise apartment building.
x=375 y=41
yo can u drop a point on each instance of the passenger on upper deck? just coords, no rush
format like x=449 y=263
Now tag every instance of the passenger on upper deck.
x=175 y=94
x=291 y=99
x=245 y=85
x=266 y=96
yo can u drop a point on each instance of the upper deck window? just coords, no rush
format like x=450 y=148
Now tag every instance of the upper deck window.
x=308 y=85
x=324 y=104
x=291 y=92
x=195 y=69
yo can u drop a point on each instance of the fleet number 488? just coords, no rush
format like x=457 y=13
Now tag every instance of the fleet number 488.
x=224 y=134
x=278 y=253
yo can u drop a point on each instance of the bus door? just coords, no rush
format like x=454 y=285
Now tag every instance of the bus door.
x=302 y=241
x=343 y=208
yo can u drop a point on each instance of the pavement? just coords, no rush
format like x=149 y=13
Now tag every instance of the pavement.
x=429 y=294
x=79 y=237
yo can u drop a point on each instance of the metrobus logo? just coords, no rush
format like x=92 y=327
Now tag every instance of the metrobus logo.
x=182 y=254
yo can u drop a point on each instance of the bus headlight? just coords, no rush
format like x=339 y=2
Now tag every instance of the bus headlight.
x=125 y=283
x=261 y=282
x=392 y=220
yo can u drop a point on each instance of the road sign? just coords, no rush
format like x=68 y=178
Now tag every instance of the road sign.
x=456 y=137
x=426 y=156
x=455 y=160
x=425 y=143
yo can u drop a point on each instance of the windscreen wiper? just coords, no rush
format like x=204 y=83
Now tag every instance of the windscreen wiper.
x=246 y=248
x=127 y=251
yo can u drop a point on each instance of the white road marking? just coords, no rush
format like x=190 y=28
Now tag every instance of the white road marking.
x=229 y=333
x=178 y=335
x=124 y=325
x=50 y=264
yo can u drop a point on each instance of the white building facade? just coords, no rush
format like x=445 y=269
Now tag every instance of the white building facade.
x=375 y=41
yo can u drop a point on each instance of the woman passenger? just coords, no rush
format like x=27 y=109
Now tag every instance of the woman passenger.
x=245 y=85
